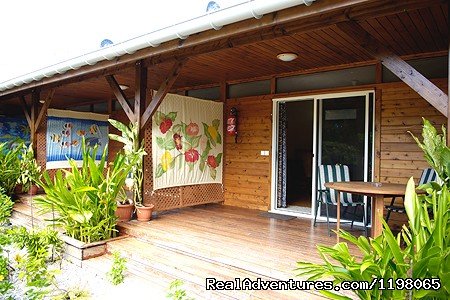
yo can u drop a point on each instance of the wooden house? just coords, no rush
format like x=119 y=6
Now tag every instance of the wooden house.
x=363 y=74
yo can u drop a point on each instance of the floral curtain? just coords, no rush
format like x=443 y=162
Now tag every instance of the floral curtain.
x=282 y=155
x=187 y=143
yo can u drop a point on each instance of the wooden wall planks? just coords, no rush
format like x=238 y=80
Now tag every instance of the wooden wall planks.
x=247 y=173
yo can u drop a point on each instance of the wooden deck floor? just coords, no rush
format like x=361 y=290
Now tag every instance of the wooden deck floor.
x=222 y=242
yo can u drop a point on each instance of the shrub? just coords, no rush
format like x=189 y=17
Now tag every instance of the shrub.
x=41 y=247
x=6 y=206
x=85 y=198
x=10 y=166
x=419 y=251
x=115 y=275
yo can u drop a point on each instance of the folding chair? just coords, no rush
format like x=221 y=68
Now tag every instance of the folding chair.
x=428 y=175
x=333 y=173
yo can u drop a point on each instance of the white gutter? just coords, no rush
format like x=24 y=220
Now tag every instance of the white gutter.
x=213 y=20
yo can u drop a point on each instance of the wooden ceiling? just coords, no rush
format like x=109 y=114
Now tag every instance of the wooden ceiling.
x=408 y=33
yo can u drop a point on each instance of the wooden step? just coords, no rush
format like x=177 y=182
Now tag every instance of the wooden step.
x=148 y=257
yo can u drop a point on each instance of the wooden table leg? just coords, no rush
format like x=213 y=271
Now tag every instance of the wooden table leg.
x=377 y=214
x=338 y=216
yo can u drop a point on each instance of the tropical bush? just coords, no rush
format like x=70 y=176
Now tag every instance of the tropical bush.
x=10 y=166
x=84 y=199
x=6 y=206
x=134 y=152
x=419 y=251
x=34 y=251
x=116 y=273
x=30 y=170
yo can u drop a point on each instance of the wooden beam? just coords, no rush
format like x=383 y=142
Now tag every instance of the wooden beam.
x=120 y=95
x=312 y=18
x=44 y=108
x=162 y=91
x=140 y=94
x=35 y=95
x=396 y=65
x=26 y=112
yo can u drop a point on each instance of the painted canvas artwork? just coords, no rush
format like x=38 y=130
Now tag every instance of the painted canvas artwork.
x=65 y=132
x=14 y=128
x=187 y=143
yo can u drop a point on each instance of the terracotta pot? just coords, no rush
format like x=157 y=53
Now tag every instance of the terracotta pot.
x=18 y=189
x=144 y=213
x=124 y=212
x=33 y=190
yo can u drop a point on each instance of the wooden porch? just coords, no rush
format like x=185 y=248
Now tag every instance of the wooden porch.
x=216 y=241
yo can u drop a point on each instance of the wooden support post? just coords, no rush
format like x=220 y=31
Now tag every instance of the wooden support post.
x=35 y=94
x=396 y=65
x=23 y=104
x=120 y=95
x=162 y=91
x=140 y=94
x=273 y=85
x=44 y=108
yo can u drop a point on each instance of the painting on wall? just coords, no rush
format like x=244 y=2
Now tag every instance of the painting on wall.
x=187 y=142
x=13 y=128
x=65 y=132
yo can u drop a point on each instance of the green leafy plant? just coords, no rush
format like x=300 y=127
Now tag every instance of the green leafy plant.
x=419 y=251
x=176 y=291
x=72 y=294
x=30 y=170
x=435 y=150
x=6 y=206
x=84 y=199
x=10 y=165
x=134 y=153
x=116 y=274
x=42 y=247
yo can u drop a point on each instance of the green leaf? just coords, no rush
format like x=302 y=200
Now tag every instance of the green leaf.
x=172 y=115
x=177 y=128
x=219 y=158
x=216 y=123
x=159 y=117
x=195 y=141
x=213 y=173
x=202 y=165
x=159 y=171
x=166 y=143
x=219 y=138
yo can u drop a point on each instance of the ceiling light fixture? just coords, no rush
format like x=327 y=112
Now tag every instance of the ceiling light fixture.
x=123 y=87
x=42 y=101
x=288 y=56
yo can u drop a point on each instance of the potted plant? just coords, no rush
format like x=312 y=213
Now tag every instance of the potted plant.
x=84 y=198
x=30 y=171
x=125 y=204
x=134 y=149
x=10 y=166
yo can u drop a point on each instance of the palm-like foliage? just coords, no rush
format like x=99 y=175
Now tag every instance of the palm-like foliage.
x=419 y=251
x=84 y=199
x=10 y=166
x=133 y=149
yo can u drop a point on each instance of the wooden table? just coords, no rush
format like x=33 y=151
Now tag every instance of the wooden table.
x=377 y=190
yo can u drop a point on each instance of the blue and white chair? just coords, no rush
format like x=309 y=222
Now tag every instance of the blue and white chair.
x=333 y=173
x=428 y=175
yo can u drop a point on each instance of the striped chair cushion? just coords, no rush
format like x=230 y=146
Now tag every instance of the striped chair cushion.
x=428 y=175
x=333 y=173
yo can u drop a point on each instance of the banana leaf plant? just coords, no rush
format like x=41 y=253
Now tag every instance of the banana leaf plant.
x=420 y=251
x=10 y=165
x=84 y=199
x=134 y=150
